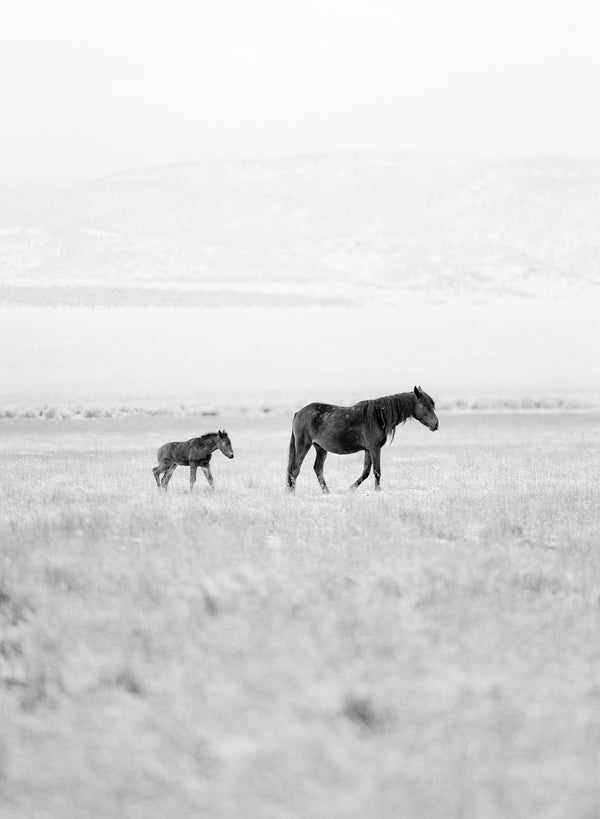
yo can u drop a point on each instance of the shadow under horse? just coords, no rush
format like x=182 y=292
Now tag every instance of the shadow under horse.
x=194 y=453
x=365 y=426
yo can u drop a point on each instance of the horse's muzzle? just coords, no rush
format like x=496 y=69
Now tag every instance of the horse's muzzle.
x=230 y=456
x=433 y=429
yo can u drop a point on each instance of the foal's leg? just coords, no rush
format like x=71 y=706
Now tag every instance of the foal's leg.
x=302 y=447
x=376 y=458
x=365 y=472
x=208 y=476
x=193 y=468
x=158 y=470
x=167 y=476
x=319 y=462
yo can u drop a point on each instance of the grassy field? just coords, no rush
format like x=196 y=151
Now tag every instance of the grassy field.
x=431 y=651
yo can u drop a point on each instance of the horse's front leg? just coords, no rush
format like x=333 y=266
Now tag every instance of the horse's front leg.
x=365 y=472
x=193 y=468
x=376 y=458
x=208 y=476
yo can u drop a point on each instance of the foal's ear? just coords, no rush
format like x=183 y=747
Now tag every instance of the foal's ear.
x=222 y=433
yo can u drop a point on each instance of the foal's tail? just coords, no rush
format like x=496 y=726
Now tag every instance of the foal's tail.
x=291 y=461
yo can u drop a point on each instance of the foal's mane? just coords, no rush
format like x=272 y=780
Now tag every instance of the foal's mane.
x=389 y=411
x=207 y=435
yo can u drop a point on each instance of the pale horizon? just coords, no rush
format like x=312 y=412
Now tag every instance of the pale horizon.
x=52 y=185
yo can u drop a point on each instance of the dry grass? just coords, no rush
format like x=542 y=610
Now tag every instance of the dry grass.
x=432 y=651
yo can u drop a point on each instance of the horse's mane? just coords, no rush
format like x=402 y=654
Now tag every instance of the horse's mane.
x=388 y=411
x=206 y=435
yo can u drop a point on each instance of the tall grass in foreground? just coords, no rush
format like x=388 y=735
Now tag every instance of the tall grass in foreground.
x=432 y=651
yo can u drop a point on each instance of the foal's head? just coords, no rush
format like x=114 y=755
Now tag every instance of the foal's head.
x=425 y=409
x=224 y=444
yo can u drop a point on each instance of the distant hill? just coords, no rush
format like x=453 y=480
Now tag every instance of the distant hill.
x=331 y=225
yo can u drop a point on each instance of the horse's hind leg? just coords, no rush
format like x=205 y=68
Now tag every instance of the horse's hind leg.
x=158 y=470
x=365 y=472
x=167 y=476
x=302 y=447
x=319 y=463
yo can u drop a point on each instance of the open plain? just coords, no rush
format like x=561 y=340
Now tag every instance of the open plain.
x=429 y=651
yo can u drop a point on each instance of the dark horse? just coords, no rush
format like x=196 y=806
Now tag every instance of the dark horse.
x=194 y=453
x=365 y=426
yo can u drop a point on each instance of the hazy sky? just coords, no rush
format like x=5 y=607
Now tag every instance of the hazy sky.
x=88 y=88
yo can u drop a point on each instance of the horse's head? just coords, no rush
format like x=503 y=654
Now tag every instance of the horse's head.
x=224 y=444
x=425 y=409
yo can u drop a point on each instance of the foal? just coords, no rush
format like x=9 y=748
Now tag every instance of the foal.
x=194 y=453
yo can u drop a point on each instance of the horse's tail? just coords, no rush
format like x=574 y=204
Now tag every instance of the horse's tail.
x=291 y=460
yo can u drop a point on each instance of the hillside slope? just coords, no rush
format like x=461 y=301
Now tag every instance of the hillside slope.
x=438 y=227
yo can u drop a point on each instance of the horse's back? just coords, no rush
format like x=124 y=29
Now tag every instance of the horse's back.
x=315 y=410
x=318 y=410
x=176 y=451
x=336 y=428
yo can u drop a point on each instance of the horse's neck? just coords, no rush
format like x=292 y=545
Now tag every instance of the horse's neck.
x=213 y=443
x=407 y=403
x=209 y=444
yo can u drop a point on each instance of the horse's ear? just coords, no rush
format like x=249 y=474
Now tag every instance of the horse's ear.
x=416 y=391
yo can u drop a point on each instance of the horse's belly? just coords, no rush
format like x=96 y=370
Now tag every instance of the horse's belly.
x=340 y=444
x=344 y=451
